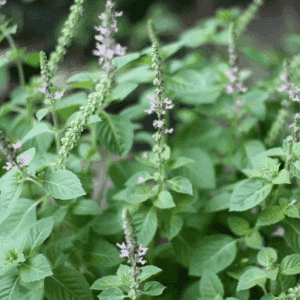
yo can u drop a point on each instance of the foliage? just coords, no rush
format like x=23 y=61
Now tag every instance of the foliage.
x=217 y=201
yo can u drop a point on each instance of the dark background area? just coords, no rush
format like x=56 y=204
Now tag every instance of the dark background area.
x=39 y=22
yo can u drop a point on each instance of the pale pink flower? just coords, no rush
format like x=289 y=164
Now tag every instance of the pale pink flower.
x=17 y=145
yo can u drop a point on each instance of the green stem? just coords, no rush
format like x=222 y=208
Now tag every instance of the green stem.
x=56 y=128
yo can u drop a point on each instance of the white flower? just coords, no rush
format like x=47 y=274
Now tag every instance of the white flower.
x=43 y=90
x=8 y=167
x=282 y=88
x=141 y=179
x=119 y=14
x=142 y=261
x=158 y=123
x=24 y=159
x=229 y=89
x=2 y=2
x=142 y=250
x=58 y=95
x=17 y=145
x=99 y=37
x=145 y=155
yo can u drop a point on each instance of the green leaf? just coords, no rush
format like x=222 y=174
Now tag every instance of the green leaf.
x=108 y=223
x=295 y=168
x=86 y=207
x=248 y=194
x=141 y=74
x=254 y=239
x=180 y=184
x=148 y=271
x=33 y=59
x=9 y=287
x=201 y=173
x=217 y=203
x=292 y=237
x=67 y=283
x=10 y=191
x=272 y=273
x=215 y=252
x=22 y=216
x=63 y=184
x=290 y=265
x=270 y=215
x=121 y=91
x=138 y=193
x=254 y=100
x=37 y=233
x=111 y=294
x=211 y=285
x=41 y=113
x=146 y=223
x=134 y=179
x=38 y=130
x=292 y=211
x=172 y=226
x=238 y=225
x=283 y=177
x=153 y=288
x=122 y=61
x=35 y=268
x=179 y=162
x=194 y=87
x=252 y=277
x=115 y=134
x=106 y=282
x=102 y=253
x=164 y=200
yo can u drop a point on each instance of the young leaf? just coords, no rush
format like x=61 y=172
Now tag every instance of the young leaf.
x=63 y=184
x=148 y=271
x=112 y=294
x=153 y=288
x=164 y=200
x=35 y=268
x=106 y=282
x=270 y=215
x=67 y=283
x=180 y=184
x=238 y=225
x=179 y=162
x=251 y=278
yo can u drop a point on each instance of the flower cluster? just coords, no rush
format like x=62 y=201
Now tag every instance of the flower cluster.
x=289 y=88
x=234 y=74
x=3 y=2
x=293 y=294
x=134 y=253
x=157 y=105
x=102 y=90
x=65 y=39
x=108 y=48
x=9 y=150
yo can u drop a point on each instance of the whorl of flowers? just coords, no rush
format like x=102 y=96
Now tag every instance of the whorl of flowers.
x=134 y=252
x=293 y=294
x=108 y=48
x=234 y=74
x=9 y=151
x=289 y=87
x=65 y=38
x=158 y=105
x=102 y=89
